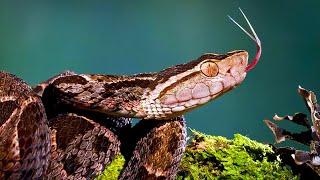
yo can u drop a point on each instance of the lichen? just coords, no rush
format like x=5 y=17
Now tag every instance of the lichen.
x=215 y=157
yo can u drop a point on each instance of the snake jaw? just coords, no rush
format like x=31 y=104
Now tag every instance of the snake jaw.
x=255 y=38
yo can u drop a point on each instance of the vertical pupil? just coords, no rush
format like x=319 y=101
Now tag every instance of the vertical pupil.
x=209 y=69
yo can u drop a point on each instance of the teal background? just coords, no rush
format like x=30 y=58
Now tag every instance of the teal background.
x=41 y=39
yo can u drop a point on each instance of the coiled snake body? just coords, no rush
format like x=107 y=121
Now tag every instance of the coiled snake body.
x=72 y=126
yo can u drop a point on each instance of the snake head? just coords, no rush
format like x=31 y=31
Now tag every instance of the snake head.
x=187 y=86
x=184 y=87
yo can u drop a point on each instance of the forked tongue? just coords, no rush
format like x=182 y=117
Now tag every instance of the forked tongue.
x=254 y=38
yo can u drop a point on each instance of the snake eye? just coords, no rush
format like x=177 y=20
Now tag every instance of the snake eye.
x=209 y=69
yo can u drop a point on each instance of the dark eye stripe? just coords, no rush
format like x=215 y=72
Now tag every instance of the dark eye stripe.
x=173 y=85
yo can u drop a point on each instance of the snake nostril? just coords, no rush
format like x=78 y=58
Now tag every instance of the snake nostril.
x=229 y=70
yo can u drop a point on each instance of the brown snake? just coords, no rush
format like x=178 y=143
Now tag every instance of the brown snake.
x=73 y=125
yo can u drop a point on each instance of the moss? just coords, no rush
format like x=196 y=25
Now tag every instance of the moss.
x=113 y=170
x=215 y=157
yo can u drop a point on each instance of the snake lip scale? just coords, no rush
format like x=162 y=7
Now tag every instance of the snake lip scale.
x=73 y=125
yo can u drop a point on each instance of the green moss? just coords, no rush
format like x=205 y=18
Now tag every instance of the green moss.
x=215 y=157
x=113 y=170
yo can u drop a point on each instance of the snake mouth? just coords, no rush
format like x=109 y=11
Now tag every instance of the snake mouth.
x=255 y=38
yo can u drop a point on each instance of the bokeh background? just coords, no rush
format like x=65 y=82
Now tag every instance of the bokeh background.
x=40 y=39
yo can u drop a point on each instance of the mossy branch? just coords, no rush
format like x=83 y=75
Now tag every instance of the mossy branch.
x=215 y=157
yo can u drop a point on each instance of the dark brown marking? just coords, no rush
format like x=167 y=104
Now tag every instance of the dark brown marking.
x=71 y=79
x=110 y=79
x=39 y=88
x=127 y=83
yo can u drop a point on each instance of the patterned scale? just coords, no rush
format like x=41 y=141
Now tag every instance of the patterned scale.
x=81 y=147
x=24 y=132
x=158 y=147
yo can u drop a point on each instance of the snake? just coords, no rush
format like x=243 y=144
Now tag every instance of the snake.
x=72 y=126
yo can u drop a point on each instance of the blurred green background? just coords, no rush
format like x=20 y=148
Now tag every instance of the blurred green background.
x=40 y=39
